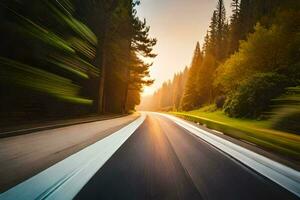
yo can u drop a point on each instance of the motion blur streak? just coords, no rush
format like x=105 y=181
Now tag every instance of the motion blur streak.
x=52 y=64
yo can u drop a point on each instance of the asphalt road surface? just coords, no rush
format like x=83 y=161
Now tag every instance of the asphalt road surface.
x=162 y=160
x=24 y=156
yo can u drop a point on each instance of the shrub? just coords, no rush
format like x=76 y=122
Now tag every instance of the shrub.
x=254 y=95
x=286 y=115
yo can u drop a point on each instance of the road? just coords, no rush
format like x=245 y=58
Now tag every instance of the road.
x=24 y=156
x=162 y=160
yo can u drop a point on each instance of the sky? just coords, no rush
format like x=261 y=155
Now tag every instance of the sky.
x=177 y=25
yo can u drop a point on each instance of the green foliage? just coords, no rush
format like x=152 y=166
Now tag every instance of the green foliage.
x=286 y=113
x=266 y=50
x=234 y=33
x=205 y=80
x=216 y=38
x=190 y=99
x=254 y=95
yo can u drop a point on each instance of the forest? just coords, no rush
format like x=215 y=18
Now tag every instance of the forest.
x=70 y=58
x=248 y=66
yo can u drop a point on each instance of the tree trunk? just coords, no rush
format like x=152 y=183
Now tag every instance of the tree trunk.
x=101 y=102
x=124 y=109
x=103 y=51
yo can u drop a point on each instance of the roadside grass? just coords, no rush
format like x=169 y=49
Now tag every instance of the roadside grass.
x=258 y=132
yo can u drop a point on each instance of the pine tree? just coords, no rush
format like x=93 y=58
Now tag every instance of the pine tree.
x=101 y=17
x=141 y=46
x=216 y=41
x=205 y=46
x=178 y=85
x=176 y=90
x=122 y=36
x=246 y=19
x=221 y=31
x=205 y=79
x=235 y=5
x=211 y=43
x=234 y=27
x=190 y=97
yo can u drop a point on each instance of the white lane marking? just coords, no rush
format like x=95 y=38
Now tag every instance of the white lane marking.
x=67 y=177
x=279 y=173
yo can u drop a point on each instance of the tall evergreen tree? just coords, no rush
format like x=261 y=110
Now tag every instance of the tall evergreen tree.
x=141 y=46
x=234 y=27
x=205 y=77
x=221 y=31
x=176 y=89
x=122 y=35
x=205 y=46
x=179 y=82
x=235 y=5
x=190 y=97
x=106 y=18
x=211 y=42
x=246 y=19
x=216 y=41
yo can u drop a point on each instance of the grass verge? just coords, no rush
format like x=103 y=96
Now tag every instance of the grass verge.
x=253 y=131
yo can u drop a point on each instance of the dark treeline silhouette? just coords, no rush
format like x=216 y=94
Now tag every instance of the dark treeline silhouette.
x=67 y=58
x=246 y=61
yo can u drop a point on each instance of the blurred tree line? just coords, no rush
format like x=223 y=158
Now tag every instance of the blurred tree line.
x=70 y=57
x=169 y=96
x=246 y=61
